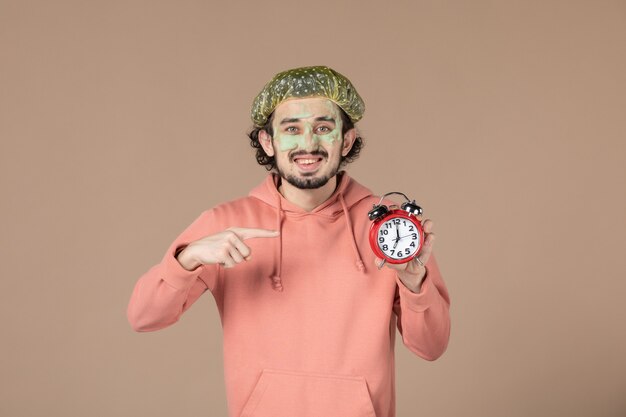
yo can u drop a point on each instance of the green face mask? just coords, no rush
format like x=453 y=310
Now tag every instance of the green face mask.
x=307 y=128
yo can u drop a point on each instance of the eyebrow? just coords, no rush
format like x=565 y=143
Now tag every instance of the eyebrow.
x=317 y=119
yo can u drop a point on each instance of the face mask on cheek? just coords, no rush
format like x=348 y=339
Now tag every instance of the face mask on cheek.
x=290 y=142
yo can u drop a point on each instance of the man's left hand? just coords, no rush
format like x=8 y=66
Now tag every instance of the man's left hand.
x=412 y=273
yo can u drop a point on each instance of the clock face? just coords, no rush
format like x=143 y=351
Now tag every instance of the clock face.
x=398 y=238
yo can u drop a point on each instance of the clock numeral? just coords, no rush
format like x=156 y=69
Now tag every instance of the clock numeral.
x=385 y=247
x=399 y=254
x=392 y=251
x=381 y=239
x=384 y=232
x=411 y=228
x=388 y=225
x=407 y=251
x=414 y=236
x=412 y=244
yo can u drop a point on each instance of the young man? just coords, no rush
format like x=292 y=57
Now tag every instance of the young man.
x=308 y=317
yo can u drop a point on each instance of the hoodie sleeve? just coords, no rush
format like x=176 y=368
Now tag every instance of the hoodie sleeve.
x=164 y=292
x=424 y=317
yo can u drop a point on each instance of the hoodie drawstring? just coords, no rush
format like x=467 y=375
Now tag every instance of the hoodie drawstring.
x=359 y=262
x=276 y=280
x=277 y=283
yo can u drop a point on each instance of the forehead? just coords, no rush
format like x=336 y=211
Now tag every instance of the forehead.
x=309 y=107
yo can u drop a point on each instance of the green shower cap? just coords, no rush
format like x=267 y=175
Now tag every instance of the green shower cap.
x=319 y=81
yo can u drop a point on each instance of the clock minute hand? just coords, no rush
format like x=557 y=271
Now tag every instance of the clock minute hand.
x=397 y=236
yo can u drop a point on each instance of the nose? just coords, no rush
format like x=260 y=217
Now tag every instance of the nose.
x=311 y=140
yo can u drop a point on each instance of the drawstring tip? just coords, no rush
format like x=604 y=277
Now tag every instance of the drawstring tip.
x=360 y=266
x=277 y=283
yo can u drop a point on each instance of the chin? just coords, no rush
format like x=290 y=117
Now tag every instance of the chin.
x=307 y=182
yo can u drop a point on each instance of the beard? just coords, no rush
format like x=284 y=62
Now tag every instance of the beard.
x=308 y=181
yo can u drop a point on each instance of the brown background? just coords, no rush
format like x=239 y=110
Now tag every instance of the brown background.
x=122 y=120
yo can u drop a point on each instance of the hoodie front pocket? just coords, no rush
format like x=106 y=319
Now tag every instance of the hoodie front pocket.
x=280 y=393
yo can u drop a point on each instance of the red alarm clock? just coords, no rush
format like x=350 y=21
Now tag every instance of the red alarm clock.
x=396 y=234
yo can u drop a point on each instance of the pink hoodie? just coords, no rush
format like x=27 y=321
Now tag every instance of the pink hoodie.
x=309 y=322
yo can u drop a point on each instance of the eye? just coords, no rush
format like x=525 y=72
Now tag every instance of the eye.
x=323 y=129
x=291 y=129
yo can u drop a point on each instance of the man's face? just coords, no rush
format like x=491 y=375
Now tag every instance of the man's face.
x=307 y=143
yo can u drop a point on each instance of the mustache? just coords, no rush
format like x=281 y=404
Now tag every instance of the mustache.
x=319 y=152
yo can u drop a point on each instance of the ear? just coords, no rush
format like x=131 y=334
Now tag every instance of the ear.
x=348 y=141
x=266 y=142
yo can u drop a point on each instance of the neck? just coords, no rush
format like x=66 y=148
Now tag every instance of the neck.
x=308 y=199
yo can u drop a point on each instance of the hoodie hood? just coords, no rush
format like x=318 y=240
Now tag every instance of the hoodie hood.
x=347 y=193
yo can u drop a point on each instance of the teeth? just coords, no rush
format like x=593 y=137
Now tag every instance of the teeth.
x=307 y=161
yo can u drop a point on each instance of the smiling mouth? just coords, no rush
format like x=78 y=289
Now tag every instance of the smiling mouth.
x=308 y=163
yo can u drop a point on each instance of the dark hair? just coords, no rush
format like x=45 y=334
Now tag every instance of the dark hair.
x=270 y=163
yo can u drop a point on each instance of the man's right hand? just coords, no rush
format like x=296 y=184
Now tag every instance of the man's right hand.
x=225 y=248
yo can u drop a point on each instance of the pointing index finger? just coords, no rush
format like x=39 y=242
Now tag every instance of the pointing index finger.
x=249 y=232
